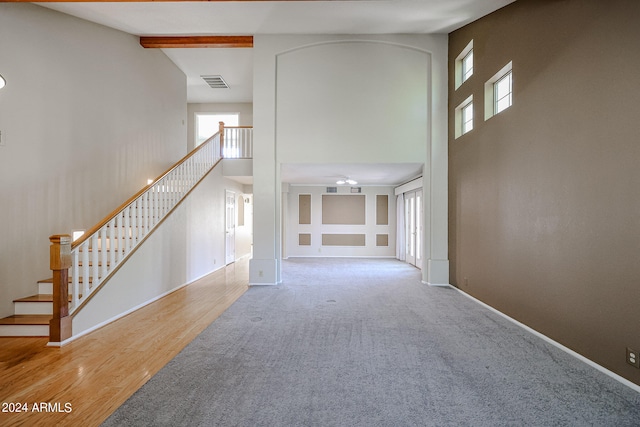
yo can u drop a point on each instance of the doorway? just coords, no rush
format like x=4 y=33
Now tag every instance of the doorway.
x=413 y=227
x=230 y=227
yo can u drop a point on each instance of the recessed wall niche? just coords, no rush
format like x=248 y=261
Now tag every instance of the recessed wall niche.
x=382 y=209
x=304 y=209
x=343 y=209
x=343 y=240
x=304 y=239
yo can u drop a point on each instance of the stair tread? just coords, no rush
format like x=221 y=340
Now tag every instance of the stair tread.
x=39 y=298
x=36 y=298
x=26 y=319
x=50 y=280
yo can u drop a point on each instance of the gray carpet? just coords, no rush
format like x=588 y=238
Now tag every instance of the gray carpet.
x=362 y=342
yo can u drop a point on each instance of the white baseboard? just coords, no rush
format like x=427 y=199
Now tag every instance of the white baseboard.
x=578 y=356
x=343 y=256
x=442 y=285
x=131 y=310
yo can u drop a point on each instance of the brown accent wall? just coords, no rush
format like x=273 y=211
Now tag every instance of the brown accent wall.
x=544 y=202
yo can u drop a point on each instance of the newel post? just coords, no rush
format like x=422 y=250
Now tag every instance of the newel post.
x=60 y=262
x=221 y=129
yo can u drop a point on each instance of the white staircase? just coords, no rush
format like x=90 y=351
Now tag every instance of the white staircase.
x=97 y=254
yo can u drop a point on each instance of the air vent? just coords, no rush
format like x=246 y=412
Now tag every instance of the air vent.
x=332 y=189
x=216 y=82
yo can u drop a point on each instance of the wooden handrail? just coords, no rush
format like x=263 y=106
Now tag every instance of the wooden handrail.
x=109 y=217
x=85 y=301
x=104 y=248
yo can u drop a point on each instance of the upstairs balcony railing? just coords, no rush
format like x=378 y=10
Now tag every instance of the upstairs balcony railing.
x=237 y=141
x=81 y=267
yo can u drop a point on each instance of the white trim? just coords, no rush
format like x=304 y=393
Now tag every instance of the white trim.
x=459 y=119
x=489 y=94
x=32 y=307
x=458 y=65
x=209 y=113
x=24 y=331
x=414 y=184
x=438 y=285
x=567 y=350
x=345 y=257
x=121 y=315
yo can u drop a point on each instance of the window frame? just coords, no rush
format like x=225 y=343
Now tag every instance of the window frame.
x=460 y=75
x=467 y=71
x=461 y=118
x=497 y=98
x=219 y=116
x=490 y=91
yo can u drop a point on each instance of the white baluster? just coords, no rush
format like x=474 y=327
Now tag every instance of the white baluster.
x=95 y=264
x=165 y=196
x=174 y=194
x=126 y=230
x=103 y=251
x=134 y=221
x=75 y=290
x=112 y=243
x=144 y=211
x=118 y=242
x=153 y=206
x=85 y=268
x=160 y=195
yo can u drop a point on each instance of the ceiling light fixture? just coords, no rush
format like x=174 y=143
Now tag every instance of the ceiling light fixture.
x=346 y=181
x=3 y=82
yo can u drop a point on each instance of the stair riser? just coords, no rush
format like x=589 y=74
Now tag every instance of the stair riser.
x=24 y=330
x=45 y=288
x=33 y=307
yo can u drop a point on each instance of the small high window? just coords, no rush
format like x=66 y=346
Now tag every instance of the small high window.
x=498 y=92
x=467 y=117
x=464 y=65
x=502 y=93
x=467 y=66
x=464 y=117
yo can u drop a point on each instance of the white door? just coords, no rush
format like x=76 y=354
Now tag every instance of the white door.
x=413 y=227
x=230 y=226
x=418 y=231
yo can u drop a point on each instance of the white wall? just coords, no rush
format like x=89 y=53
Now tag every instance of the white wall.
x=87 y=116
x=352 y=101
x=332 y=99
x=244 y=110
x=317 y=228
x=189 y=244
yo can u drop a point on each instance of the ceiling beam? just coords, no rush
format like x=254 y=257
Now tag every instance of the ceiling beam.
x=196 y=41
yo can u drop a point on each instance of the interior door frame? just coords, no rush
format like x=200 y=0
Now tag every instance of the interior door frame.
x=230 y=227
x=414 y=220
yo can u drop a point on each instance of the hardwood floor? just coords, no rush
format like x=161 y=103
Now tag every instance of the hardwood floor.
x=83 y=382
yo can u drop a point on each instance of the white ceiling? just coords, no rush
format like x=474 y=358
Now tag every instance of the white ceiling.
x=364 y=173
x=278 y=17
x=268 y=17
